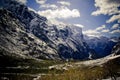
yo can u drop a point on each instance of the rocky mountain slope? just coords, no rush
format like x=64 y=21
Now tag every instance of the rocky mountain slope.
x=26 y=33
x=15 y=39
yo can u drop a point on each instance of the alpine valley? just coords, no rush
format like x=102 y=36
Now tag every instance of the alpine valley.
x=32 y=48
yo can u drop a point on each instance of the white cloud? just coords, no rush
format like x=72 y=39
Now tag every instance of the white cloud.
x=109 y=7
x=100 y=28
x=55 y=12
x=41 y=1
x=60 y=13
x=105 y=30
x=79 y=25
x=115 y=26
x=96 y=32
x=93 y=33
x=106 y=7
x=115 y=31
x=55 y=21
x=113 y=18
x=22 y=1
x=64 y=3
x=53 y=6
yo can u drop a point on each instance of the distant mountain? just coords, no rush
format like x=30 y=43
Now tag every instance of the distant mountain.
x=116 y=49
x=102 y=45
x=28 y=34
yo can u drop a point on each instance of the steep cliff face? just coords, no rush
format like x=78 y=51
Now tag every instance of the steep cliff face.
x=69 y=41
x=25 y=32
x=15 y=39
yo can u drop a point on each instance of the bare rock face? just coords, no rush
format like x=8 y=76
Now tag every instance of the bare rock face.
x=15 y=39
x=26 y=33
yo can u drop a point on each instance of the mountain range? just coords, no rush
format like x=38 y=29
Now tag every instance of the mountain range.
x=26 y=34
x=102 y=45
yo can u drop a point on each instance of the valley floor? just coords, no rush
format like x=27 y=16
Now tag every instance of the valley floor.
x=107 y=68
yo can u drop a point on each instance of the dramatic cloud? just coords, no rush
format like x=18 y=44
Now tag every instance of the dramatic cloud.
x=56 y=12
x=93 y=33
x=53 y=6
x=64 y=3
x=105 y=30
x=100 y=28
x=115 y=26
x=60 y=13
x=55 y=21
x=96 y=32
x=79 y=25
x=114 y=18
x=22 y=1
x=115 y=31
x=106 y=7
x=40 y=1
x=111 y=8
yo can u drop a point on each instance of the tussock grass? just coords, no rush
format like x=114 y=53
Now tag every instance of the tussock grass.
x=109 y=69
x=78 y=74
